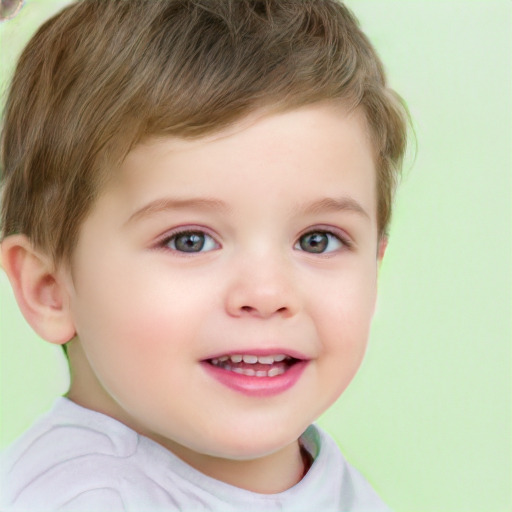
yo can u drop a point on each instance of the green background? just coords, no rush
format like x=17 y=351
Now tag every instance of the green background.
x=428 y=418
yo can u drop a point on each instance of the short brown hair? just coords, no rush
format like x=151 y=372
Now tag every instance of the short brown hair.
x=104 y=74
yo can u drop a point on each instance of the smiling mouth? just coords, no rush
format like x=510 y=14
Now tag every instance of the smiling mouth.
x=252 y=365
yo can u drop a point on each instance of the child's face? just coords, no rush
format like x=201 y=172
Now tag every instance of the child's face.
x=260 y=241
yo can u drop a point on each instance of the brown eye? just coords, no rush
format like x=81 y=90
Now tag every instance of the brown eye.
x=191 y=241
x=318 y=242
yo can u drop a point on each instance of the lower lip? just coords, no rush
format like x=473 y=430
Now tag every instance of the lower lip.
x=257 y=386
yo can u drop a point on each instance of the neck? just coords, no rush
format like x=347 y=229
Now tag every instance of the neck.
x=270 y=474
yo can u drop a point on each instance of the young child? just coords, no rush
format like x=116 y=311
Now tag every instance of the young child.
x=195 y=202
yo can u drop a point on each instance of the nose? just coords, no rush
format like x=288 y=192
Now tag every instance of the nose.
x=262 y=289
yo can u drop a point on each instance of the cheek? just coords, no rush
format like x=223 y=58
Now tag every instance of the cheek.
x=343 y=316
x=133 y=343
x=345 y=311
x=139 y=317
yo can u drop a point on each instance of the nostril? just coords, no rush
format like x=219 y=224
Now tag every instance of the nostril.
x=253 y=310
x=260 y=307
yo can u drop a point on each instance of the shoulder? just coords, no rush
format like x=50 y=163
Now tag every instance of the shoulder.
x=71 y=456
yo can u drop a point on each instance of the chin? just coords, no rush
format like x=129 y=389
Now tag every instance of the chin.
x=253 y=443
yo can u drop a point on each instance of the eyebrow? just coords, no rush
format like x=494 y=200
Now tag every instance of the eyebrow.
x=330 y=204
x=170 y=204
x=327 y=204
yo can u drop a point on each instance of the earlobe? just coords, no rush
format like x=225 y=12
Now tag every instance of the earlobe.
x=39 y=290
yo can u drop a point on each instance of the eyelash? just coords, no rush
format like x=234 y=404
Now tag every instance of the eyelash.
x=345 y=242
x=164 y=242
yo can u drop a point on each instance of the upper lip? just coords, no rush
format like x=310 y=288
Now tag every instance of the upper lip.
x=260 y=352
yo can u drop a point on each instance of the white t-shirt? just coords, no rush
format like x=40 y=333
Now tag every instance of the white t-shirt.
x=74 y=459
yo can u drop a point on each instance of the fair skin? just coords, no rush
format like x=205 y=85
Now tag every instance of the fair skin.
x=279 y=257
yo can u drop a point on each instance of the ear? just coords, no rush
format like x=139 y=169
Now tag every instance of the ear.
x=39 y=289
x=383 y=244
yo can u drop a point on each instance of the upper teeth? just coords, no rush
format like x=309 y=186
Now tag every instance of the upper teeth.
x=250 y=359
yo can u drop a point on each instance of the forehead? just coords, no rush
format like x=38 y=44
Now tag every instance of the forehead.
x=266 y=153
